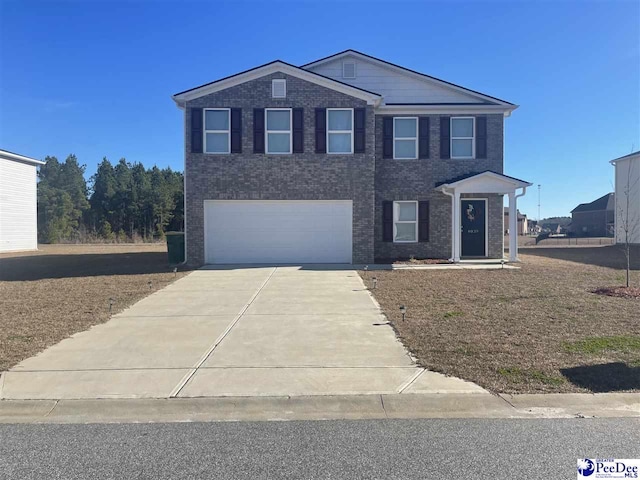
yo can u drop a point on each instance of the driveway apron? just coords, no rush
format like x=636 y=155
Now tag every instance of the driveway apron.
x=262 y=331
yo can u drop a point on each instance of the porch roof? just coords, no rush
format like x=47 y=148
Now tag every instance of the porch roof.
x=484 y=182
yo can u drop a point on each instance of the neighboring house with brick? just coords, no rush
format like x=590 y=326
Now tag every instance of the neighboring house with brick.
x=594 y=219
x=523 y=222
x=18 y=202
x=627 y=205
x=348 y=159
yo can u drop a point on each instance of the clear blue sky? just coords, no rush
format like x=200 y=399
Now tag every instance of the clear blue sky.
x=95 y=78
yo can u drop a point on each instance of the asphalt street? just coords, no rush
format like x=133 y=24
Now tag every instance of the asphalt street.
x=364 y=449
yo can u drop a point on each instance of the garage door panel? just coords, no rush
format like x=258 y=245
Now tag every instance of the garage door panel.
x=278 y=231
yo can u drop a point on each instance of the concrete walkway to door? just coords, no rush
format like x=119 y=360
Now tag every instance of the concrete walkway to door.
x=262 y=331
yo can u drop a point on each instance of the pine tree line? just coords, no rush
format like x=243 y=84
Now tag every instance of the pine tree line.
x=125 y=202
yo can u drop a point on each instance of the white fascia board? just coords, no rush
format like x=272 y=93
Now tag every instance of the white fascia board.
x=409 y=73
x=624 y=159
x=445 y=109
x=370 y=98
x=20 y=158
x=487 y=182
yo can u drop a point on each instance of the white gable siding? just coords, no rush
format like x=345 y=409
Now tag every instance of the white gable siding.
x=18 y=210
x=628 y=179
x=394 y=86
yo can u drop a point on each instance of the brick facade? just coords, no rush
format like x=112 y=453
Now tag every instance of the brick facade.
x=417 y=180
x=367 y=179
x=300 y=176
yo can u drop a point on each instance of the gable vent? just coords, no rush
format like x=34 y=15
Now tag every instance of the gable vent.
x=348 y=69
x=279 y=88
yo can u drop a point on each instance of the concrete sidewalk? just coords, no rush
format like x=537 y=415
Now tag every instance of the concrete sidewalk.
x=234 y=332
x=354 y=407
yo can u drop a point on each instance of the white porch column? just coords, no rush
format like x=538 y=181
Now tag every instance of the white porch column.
x=456 y=227
x=513 y=228
x=453 y=225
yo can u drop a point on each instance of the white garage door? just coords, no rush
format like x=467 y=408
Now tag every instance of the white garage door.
x=247 y=231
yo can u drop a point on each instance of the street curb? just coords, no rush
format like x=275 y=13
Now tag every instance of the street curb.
x=346 y=407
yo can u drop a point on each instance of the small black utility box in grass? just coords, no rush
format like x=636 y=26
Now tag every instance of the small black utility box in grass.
x=175 y=247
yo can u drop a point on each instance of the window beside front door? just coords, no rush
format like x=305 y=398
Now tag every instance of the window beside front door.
x=278 y=130
x=339 y=130
x=217 y=133
x=405 y=222
x=462 y=137
x=405 y=138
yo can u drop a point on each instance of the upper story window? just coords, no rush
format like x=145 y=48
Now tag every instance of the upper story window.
x=348 y=69
x=405 y=137
x=405 y=222
x=278 y=88
x=278 y=131
x=217 y=135
x=463 y=131
x=339 y=130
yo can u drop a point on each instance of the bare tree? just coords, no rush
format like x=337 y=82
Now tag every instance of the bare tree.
x=627 y=222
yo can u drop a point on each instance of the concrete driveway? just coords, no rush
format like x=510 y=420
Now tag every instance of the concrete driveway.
x=264 y=331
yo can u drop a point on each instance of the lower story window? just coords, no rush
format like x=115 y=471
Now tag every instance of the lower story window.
x=405 y=222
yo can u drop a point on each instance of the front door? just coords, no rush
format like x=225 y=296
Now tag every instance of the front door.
x=474 y=227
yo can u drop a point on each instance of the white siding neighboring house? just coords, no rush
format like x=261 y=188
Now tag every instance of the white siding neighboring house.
x=18 y=202
x=627 y=183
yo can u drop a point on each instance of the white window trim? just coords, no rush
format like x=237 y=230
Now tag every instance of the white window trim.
x=404 y=138
x=395 y=220
x=472 y=138
x=274 y=82
x=340 y=131
x=354 y=69
x=267 y=131
x=205 y=131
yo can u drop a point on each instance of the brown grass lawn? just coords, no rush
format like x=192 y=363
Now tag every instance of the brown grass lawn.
x=536 y=329
x=59 y=290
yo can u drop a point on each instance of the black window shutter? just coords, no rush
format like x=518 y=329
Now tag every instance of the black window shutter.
x=387 y=221
x=445 y=137
x=359 y=121
x=196 y=130
x=423 y=221
x=481 y=137
x=298 y=130
x=423 y=137
x=258 y=130
x=321 y=130
x=387 y=137
x=236 y=130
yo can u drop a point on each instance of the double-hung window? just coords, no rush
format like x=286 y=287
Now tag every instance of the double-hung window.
x=463 y=143
x=278 y=131
x=217 y=134
x=339 y=130
x=405 y=137
x=405 y=222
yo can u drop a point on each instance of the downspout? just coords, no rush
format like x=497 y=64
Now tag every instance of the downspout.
x=184 y=188
x=183 y=106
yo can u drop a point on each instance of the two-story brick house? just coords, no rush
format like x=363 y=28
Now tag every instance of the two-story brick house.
x=348 y=159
